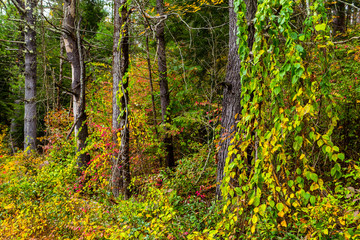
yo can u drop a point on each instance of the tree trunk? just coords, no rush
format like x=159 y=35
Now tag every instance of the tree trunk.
x=120 y=177
x=61 y=73
x=164 y=89
x=30 y=77
x=74 y=55
x=151 y=82
x=340 y=20
x=16 y=141
x=232 y=88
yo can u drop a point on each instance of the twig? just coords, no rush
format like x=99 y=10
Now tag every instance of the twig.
x=66 y=90
x=3 y=40
x=73 y=126
x=348 y=40
x=351 y=5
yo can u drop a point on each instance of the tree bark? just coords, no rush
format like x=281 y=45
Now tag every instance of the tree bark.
x=16 y=141
x=164 y=88
x=73 y=50
x=231 y=107
x=340 y=20
x=120 y=177
x=30 y=77
x=151 y=81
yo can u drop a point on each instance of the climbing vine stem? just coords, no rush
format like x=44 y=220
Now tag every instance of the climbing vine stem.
x=281 y=139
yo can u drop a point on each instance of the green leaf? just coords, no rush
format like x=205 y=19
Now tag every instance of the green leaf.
x=312 y=200
x=298 y=143
x=277 y=90
x=299 y=48
x=328 y=149
x=293 y=35
x=320 y=27
x=290 y=183
x=312 y=136
x=279 y=206
x=256 y=201
x=333 y=171
x=314 y=177
x=306 y=196
x=341 y=156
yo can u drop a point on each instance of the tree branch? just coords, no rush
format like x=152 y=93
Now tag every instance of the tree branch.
x=19 y=5
x=66 y=90
x=350 y=5
x=348 y=40
x=3 y=40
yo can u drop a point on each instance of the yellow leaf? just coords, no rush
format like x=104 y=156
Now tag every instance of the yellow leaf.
x=342 y=222
x=281 y=214
x=283 y=223
x=253 y=228
x=254 y=219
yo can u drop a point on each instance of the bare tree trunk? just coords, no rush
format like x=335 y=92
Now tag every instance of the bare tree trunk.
x=73 y=49
x=46 y=85
x=152 y=92
x=14 y=126
x=30 y=77
x=120 y=177
x=340 y=20
x=150 y=80
x=61 y=73
x=164 y=88
x=232 y=88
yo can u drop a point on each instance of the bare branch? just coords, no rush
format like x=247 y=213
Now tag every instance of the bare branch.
x=348 y=40
x=350 y=5
x=3 y=40
x=66 y=90
x=19 y=5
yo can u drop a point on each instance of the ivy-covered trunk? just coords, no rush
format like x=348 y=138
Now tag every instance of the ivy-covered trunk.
x=120 y=176
x=164 y=88
x=73 y=49
x=30 y=77
x=231 y=108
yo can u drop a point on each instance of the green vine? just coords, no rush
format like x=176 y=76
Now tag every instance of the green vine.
x=281 y=141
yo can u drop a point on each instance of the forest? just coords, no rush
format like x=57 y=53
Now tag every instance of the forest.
x=179 y=119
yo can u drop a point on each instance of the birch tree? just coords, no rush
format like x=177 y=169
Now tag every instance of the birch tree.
x=74 y=52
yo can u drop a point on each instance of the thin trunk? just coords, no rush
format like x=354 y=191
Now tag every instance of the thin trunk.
x=74 y=54
x=30 y=77
x=61 y=67
x=164 y=89
x=152 y=93
x=340 y=20
x=18 y=91
x=151 y=82
x=232 y=88
x=44 y=60
x=120 y=177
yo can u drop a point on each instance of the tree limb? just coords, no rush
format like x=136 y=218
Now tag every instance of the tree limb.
x=19 y=5
x=348 y=40
x=350 y=5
